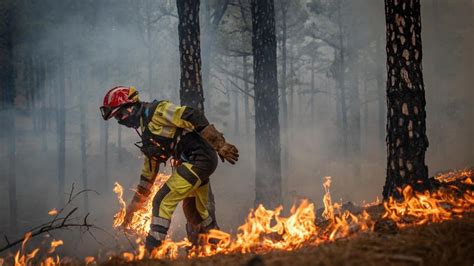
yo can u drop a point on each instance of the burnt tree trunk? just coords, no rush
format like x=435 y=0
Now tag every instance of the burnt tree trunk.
x=406 y=125
x=191 y=91
x=7 y=85
x=267 y=128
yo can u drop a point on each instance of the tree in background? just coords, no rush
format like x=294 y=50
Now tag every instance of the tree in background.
x=7 y=86
x=267 y=128
x=406 y=126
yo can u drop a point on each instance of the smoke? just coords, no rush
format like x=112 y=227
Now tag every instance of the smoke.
x=109 y=43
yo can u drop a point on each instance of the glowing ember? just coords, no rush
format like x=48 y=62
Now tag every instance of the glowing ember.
x=53 y=212
x=89 y=260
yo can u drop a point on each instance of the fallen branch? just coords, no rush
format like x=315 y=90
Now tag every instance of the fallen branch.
x=57 y=222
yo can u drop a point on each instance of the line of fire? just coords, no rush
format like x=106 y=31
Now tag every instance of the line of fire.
x=236 y=132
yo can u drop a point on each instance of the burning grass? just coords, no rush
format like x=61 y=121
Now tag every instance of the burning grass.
x=374 y=232
x=267 y=231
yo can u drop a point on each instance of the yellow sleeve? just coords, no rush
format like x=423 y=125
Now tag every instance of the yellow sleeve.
x=149 y=171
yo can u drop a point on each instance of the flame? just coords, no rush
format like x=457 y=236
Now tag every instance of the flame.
x=419 y=208
x=54 y=245
x=53 y=212
x=268 y=230
x=328 y=213
x=89 y=260
x=140 y=224
x=263 y=231
x=453 y=176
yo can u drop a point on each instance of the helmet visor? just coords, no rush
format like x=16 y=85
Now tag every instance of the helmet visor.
x=107 y=112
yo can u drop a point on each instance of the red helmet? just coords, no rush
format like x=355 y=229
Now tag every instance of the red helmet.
x=116 y=98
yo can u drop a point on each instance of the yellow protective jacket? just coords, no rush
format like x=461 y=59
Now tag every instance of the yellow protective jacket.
x=161 y=124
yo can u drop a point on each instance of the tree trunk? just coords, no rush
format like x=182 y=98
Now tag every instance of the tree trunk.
x=290 y=117
x=206 y=49
x=7 y=84
x=83 y=132
x=365 y=115
x=406 y=137
x=236 y=111
x=342 y=85
x=356 y=131
x=119 y=143
x=267 y=128
x=311 y=97
x=191 y=91
x=61 y=126
x=246 y=97
x=106 y=155
x=284 y=104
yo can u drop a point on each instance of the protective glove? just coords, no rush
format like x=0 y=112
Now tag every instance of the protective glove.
x=216 y=139
x=228 y=152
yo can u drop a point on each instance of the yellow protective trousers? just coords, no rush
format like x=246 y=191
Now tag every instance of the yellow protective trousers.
x=188 y=183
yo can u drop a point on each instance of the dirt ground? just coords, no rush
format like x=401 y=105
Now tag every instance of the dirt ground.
x=448 y=243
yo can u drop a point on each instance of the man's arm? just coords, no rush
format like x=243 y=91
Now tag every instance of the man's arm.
x=193 y=119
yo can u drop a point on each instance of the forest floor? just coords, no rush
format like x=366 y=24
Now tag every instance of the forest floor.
x=447 y=243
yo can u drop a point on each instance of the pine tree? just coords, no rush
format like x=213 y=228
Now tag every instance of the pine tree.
x=267 y=128
x=406 y=125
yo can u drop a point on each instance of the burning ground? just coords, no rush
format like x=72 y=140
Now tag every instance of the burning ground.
x=423 y=228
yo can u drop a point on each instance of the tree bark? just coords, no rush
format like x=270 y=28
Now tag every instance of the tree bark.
x=191 y=92
x=267 y=128
x=406 y=126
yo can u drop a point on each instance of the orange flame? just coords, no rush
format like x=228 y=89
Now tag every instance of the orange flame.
x=53 y=212
x=267 y=230
x=263 y=231
x=140 y=224
x=419 y=208
x=54 y=245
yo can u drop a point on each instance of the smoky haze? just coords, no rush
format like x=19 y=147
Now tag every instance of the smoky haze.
x=86 y=47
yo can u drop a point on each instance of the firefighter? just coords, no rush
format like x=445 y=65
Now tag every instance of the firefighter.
x=181 y=134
